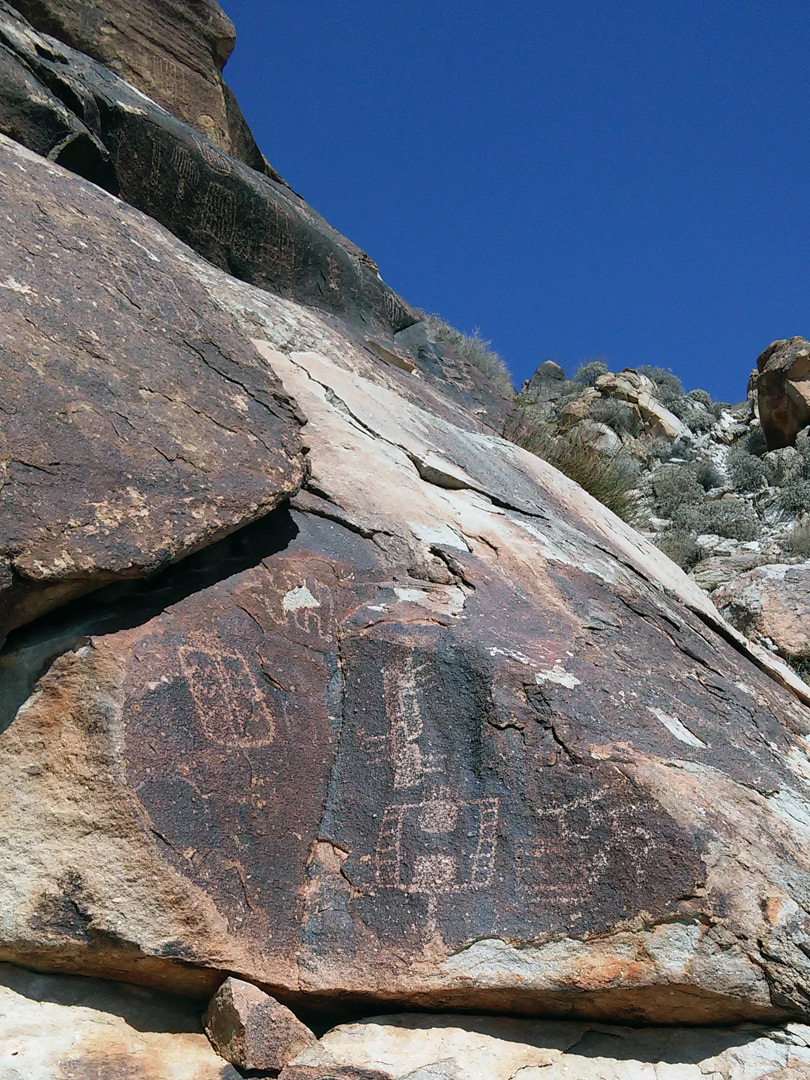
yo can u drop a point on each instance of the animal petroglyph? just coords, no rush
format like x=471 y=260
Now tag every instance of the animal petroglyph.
x=229 y=703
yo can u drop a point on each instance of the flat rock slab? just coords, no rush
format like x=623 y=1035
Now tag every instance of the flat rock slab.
x=71 y=1028
x=137 y=423
x=469 y=1048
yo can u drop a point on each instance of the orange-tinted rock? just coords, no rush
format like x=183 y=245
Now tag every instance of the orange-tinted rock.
x=783 y=390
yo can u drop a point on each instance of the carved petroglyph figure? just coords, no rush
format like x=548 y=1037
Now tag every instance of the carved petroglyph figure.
x=229 y=703
x=403 y=708
x=218 y=213
x=215 y=159
x=440 y=845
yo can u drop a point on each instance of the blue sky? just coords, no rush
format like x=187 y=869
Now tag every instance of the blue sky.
x=575 y=179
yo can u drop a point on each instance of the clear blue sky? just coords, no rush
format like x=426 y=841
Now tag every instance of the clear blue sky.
x=574 y=178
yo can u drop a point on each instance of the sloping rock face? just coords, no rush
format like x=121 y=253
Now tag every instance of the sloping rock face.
x=771 y=605
x=137 y=423
x=783 y=390
x=70 y=1028
x=468 y=1048
x=440 y=730
x=244 y=222
x=172 y=50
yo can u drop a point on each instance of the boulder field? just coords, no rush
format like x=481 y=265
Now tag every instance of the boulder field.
x=313 y=681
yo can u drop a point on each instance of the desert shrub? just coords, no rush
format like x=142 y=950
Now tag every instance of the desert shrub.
x=610 y=478
x=794 y=496
x=704 y=398
x=674 y=486
x=754 y=442
x=474 y=348
x=746 y=471
x=682 y=448
x=708 y=475
x=801 y=665
x=589 y=372
x=731 y=518
x=617 y=415
x=669 y=389
x=682 y=548
x=797 y=542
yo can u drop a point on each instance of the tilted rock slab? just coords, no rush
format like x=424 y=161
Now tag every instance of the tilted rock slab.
x=57 y=1027
x=441 y=731
x=136 y=423
x=408 y=1047
x=247 y=223
x=172 y=50
x=783 y=390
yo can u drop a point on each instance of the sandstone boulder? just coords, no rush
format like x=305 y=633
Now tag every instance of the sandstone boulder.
x=639 y=393
x=783 y=390
x=252 y=1030
x=771 y=605
x=71 y=1028
x=138 y=423
x=439 y=731
x=470 y=1048
x=247 y=223
x=172 y=50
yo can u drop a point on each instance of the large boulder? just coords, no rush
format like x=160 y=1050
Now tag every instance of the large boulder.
x=245 y=222
x=771 y=605
x=783 y=390
x=439 y=731
x=408 y=1047
x=71 y=1028
x=638 y=392
x=172 y=50
x=138 y=424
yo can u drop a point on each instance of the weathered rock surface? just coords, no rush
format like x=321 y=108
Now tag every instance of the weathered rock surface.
x=172 y=50
x=637 y=391
x=783 y=390
x=136 y=422
x=247 y=223
x=771 y=605
x=252 y=1030
x=470 y=1048
x=72 y=1028
x=419 y=737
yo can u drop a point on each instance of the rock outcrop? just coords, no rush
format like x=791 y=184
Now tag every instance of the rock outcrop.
x=247 y=223
x=469 y=1048
x=771 y=605
x=172 y=50
x=64 y=1027
x=783 y=390
x=417 y=740
x=138 y=424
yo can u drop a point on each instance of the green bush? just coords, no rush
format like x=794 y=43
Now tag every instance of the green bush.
x=589 y=372
x=746 y=471
x=474 y=348
x=731 y=518
x=617 y=415
x=673 y=486
x=708 y=475
x=754 y=442
x=702 y=397
x=610 y=478
x=794 y=496
x=797 y=542
x=669 y=389
x=681 y=548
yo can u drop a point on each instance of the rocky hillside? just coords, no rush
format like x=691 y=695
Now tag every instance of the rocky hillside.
x=319 y=698
x=723 y=490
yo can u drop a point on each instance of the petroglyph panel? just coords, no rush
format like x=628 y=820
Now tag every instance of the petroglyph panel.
x=227 y=698
x=218 y=213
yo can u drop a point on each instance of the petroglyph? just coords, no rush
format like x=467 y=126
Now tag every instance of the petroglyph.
x=229 y=703
x=403 y=709
x=218 y=213
x=215 y=159
x=438 y=846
